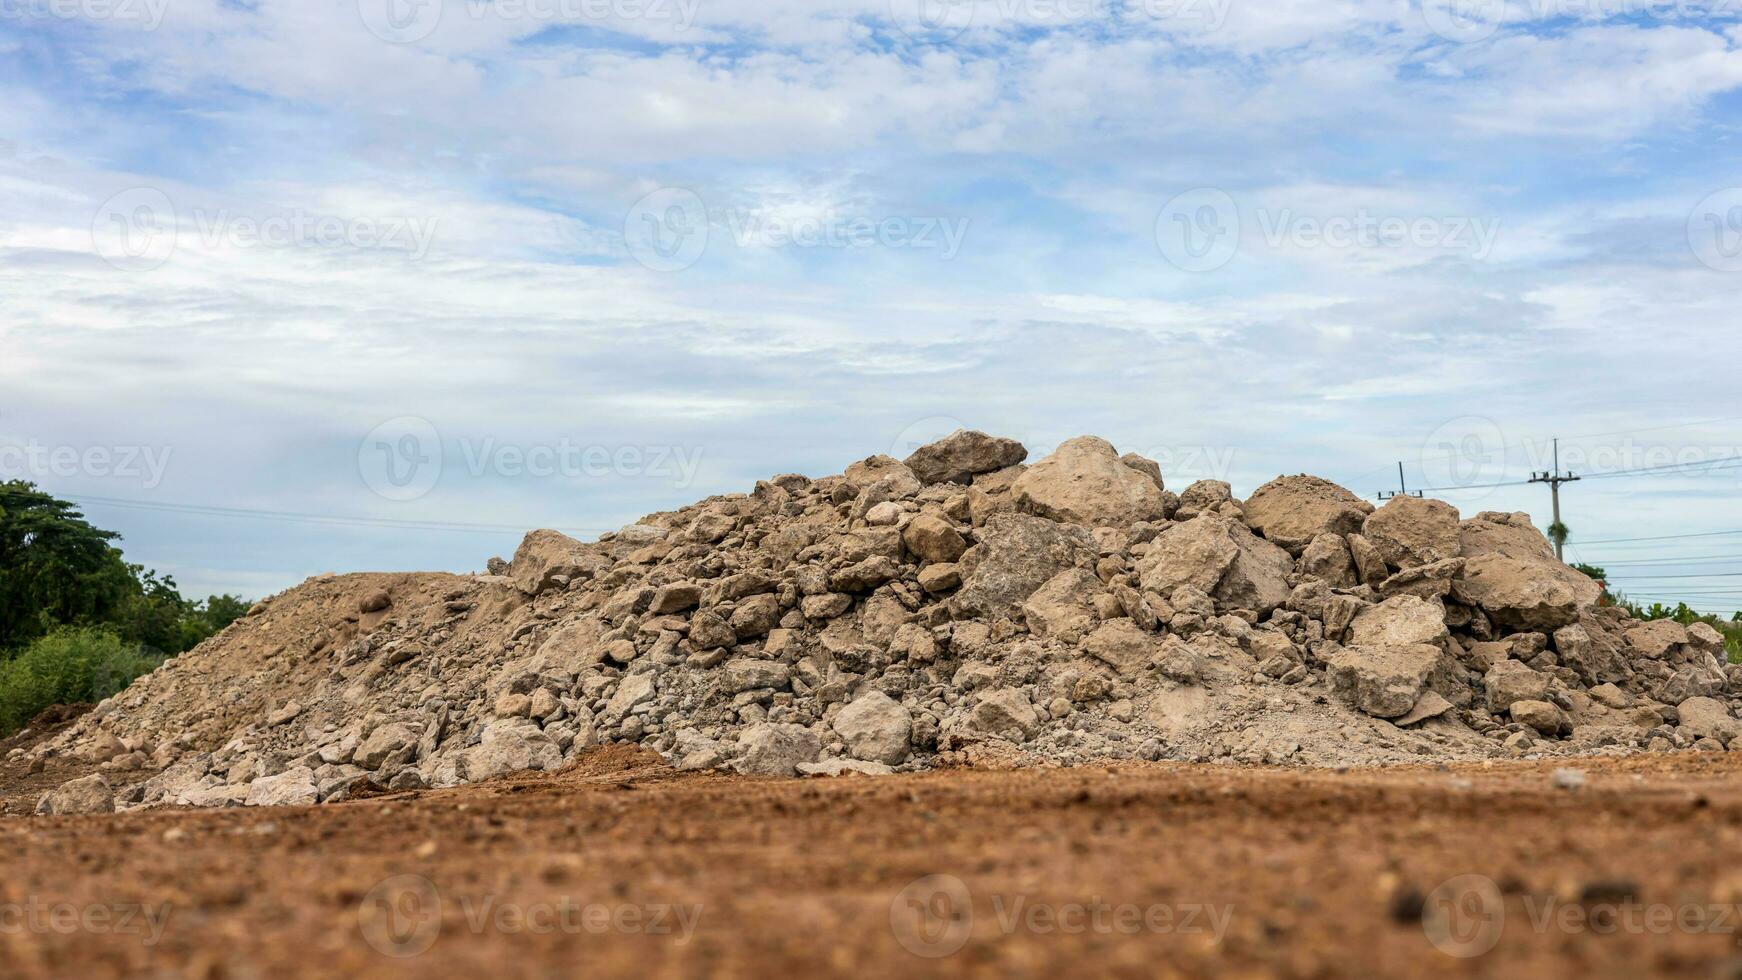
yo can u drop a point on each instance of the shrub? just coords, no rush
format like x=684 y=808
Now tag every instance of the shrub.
x=65 y=667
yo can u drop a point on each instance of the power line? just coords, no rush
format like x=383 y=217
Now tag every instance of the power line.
x=1648 y=578
x=1662 y=537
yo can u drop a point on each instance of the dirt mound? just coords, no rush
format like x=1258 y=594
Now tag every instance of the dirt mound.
x=962 y=610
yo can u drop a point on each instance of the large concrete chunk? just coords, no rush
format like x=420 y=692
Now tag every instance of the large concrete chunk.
x=1290 y=511
x=1518 y=594
x=1411 y=531
x=962 y=455
x=1384 y=681
x=548 y=558
x=1017 y=554
x=1403 y=620
x=1221 y=557
x=876 y=728
x=1084 y=482
x=88 y=795
x=777 y=750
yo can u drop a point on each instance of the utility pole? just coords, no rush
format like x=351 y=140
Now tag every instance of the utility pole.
x=1557 y=530
x=1402 y=486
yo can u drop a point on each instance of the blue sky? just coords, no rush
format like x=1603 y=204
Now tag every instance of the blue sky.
x=397 y=278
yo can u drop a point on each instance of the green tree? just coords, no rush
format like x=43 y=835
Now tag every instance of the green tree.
x=54 y=566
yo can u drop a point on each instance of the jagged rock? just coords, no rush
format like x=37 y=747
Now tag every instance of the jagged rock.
x=745 y=674
x=1005 y=713
x=1202 y=497
x=1431 y=581
x=1514 y=593
x=1655 y=639
x=1546 y=718
x=546 y=557
x=709 y=631
x=933 y=539
x=755 y=617
x=1221 y=557
x=841 y=767
x=1149 y=468
x=865 y=575
x=876 y=728
x=1083 y=482
x=675 y=598
x=1431 y=705
x=1403 y=620
x=1063 y=607
x=1411 y=531
x=90 y=794
x=1124 y=646
x=776 y=749
x=1327 y=557
x=1370 y=568
x=1016 y=555
x=509 y=745
x=1706 y=717
x=1291 y=511
x=383 y=742
x=938 y=579
x=1509 y=681
x=962 y=455
x=293 y=787
x=1383 y=681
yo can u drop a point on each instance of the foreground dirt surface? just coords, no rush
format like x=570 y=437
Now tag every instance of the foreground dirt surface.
x=622 y=867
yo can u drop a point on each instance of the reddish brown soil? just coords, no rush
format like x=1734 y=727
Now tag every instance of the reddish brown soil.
x=1322 y=874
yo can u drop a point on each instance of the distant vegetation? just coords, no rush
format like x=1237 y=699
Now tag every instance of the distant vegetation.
x=77 y=621
x=1681 y=612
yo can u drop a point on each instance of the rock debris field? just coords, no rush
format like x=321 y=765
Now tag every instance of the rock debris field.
x=961 y=607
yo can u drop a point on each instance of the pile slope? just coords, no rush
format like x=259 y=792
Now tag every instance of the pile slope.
x=955 y=608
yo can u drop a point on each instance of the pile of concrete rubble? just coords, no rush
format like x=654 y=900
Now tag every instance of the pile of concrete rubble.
x=954 y=608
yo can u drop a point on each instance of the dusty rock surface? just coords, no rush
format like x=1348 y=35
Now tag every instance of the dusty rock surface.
x=965 y=604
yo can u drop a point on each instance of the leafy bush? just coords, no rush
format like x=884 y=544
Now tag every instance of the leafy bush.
x=64 y=667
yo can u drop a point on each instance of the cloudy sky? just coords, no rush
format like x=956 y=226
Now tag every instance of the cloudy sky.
x=293 y=286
